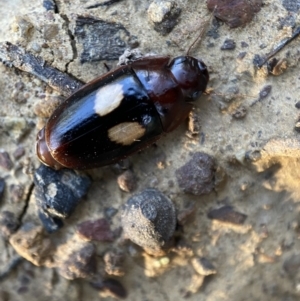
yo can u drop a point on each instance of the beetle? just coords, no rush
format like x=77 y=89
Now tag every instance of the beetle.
x=121 y=112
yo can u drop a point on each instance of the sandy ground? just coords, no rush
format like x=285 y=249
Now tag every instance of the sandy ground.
x=258 y=259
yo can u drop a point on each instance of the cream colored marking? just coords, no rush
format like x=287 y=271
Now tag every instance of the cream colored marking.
x=126 y=133
x=108 y=98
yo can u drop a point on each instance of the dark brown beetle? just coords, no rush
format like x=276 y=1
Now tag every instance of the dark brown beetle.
x=121 y=112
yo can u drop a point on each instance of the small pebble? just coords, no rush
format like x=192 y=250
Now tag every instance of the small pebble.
x=80 y=263
x=19 y=152
x=50 y=31
x=239 y=112
x=241 y=55
x=297 y=104
x=203 y=266
x=276 y=67
x=265 y=91
x=5 y=161
x=16 y=192
x=228 y=44
x=253 y=156
x=244 y=44
x=15 y=127
x=194 y=124
x=36 y=47
x=98 y=230
x=129 y=56
x=163 y=15
x=58 y=192
x=197 y=175
x=258 y=60
x=228 y=215
x=297 y=126
x=234 y=13
x=127 y=181
x=262 y=46
x=94 y=33
x=31 y=242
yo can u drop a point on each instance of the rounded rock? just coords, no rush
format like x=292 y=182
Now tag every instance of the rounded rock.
x=149 y=220
x=198 y=175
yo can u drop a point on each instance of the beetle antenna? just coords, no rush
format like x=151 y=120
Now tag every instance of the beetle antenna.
x=198 y=38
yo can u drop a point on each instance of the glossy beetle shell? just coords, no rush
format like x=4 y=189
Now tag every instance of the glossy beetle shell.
x=121 y=112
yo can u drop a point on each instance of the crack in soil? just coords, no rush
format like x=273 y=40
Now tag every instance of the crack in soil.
x=72 y=40
x=30 y=191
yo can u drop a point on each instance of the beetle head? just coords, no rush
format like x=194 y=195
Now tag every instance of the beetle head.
x=191 y=75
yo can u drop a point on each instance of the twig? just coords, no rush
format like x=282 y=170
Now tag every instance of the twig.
x=13 y=55
x=280 y=46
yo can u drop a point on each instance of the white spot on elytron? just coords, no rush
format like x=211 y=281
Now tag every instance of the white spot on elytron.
x=126 y=133
x=108 y=98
